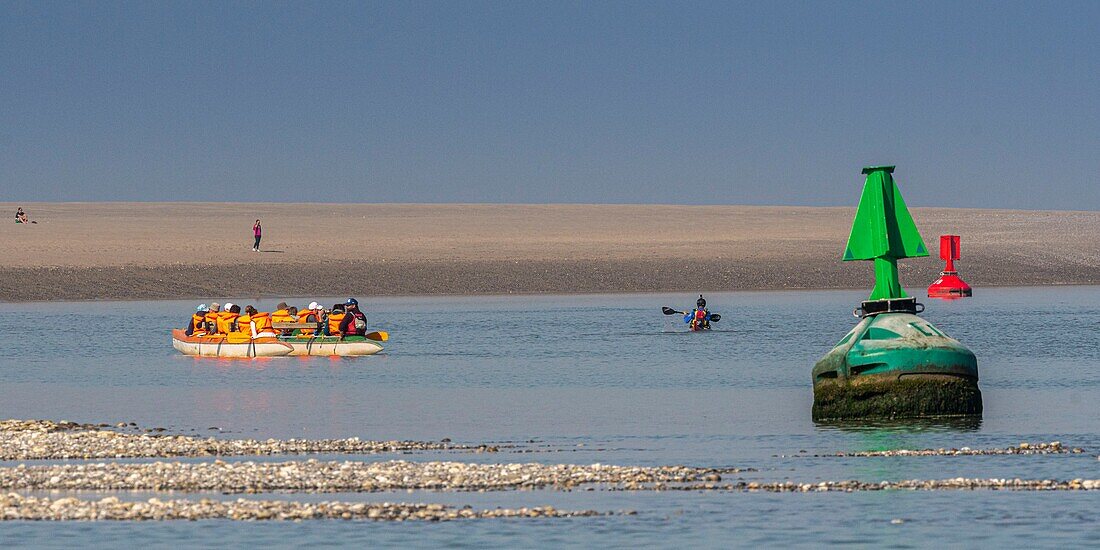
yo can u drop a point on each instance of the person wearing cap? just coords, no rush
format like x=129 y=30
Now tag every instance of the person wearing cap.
x=211 y=324
x=197 y=326
x=313 y=313
x=227 y=319
x=354 y=322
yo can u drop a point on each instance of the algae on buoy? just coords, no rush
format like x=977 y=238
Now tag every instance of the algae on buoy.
x=893 y=363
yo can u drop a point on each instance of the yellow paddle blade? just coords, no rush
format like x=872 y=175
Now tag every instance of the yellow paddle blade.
x=380 y=336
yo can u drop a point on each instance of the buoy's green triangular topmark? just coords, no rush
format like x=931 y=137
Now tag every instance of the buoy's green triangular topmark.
x=883 y=226
x=883 y=231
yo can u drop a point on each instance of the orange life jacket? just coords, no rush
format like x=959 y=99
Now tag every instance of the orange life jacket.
x=303 y=317
x=212 y=322
x=334 y=323
x=199 y=322
x=243 y=322
x=263 y=322
x=226 y=320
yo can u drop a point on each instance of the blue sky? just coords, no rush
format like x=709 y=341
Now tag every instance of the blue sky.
x=979 y=104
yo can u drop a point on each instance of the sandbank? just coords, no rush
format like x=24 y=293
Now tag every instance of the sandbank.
x=81 y=251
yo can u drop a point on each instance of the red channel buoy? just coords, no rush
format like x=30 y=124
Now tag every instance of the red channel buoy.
x=949 y=285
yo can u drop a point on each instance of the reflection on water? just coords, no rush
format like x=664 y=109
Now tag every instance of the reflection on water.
x=581 y=373
x=905 y=425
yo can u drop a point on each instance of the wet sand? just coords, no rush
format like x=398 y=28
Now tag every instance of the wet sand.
x=203 y=251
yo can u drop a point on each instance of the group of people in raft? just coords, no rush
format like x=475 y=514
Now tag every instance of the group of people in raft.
x=341 y=320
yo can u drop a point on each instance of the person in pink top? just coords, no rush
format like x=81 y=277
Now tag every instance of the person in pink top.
x=258 y=233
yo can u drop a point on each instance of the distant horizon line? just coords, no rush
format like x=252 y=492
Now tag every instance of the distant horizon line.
x=14 y=204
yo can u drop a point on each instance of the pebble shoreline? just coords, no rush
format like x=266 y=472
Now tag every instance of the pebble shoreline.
x=43 y=439
x=325 y=477
x=850 y=486
x=18 y=507
x=314 y=476
x=47 y=440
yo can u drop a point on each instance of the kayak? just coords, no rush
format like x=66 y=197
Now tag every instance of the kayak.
x=350 y=346
x=221 y=346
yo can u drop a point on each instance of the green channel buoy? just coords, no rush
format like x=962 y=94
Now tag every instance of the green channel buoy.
x=893 y=364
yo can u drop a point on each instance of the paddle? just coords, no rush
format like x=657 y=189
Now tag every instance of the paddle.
x=714 y=317
x=380 y=336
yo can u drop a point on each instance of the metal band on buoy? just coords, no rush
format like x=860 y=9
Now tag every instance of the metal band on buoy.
x=894 y=305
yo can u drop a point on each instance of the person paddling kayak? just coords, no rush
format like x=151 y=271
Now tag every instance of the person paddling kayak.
x=699 y=318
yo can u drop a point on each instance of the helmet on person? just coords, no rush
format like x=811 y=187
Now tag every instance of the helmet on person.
x=313 y=306
x=352 y=302
x=701 y=303
x=202 y=307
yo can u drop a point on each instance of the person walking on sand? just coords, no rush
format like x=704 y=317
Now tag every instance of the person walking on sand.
x=258 y=232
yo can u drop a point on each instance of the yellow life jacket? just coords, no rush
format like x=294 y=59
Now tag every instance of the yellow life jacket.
x=334 y=323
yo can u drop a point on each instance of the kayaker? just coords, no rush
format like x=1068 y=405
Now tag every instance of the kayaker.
x=699 y=318
x=354 y=322
x=197 y=326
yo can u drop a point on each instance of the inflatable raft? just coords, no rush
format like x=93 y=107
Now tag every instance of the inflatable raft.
x=238 y=346
x=222 y=346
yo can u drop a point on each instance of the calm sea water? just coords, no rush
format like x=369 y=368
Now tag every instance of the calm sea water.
x=596 y=379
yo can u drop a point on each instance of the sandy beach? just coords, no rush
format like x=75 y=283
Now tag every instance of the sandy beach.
x=82 y=251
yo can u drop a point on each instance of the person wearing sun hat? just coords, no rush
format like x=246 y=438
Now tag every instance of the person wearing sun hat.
x=283 y=314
